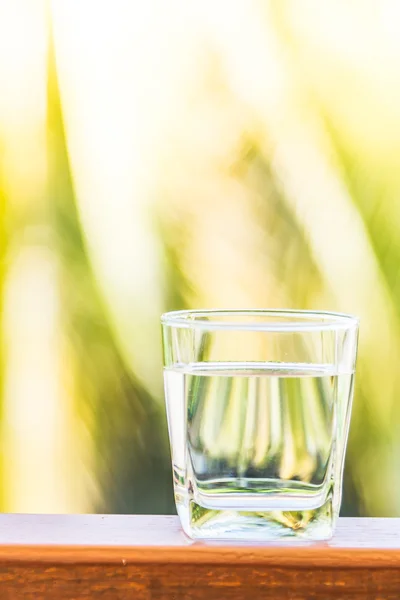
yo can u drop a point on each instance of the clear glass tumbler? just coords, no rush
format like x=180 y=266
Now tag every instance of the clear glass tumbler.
x=258 y=405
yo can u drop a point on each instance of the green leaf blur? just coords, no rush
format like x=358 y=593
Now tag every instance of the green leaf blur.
x=164 y=155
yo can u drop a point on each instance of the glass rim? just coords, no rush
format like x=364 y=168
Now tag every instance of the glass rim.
x=297 y=320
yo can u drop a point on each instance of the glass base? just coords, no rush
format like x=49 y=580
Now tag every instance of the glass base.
x=308 y=525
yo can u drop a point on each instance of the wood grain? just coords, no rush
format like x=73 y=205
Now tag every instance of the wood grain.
x=144 y=557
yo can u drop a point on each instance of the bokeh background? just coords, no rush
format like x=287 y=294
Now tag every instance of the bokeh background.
x=167 y=154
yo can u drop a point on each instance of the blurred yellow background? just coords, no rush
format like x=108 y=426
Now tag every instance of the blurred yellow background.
x=176 y=154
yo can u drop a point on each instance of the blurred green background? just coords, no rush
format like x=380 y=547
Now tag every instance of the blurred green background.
x=178 y=154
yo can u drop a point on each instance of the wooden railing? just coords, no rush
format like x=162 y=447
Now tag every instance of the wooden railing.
x=147 y=557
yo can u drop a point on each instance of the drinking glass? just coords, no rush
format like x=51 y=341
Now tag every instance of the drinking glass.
x=258 y=406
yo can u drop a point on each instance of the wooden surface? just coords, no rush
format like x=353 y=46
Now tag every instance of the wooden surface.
x=143 y=557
